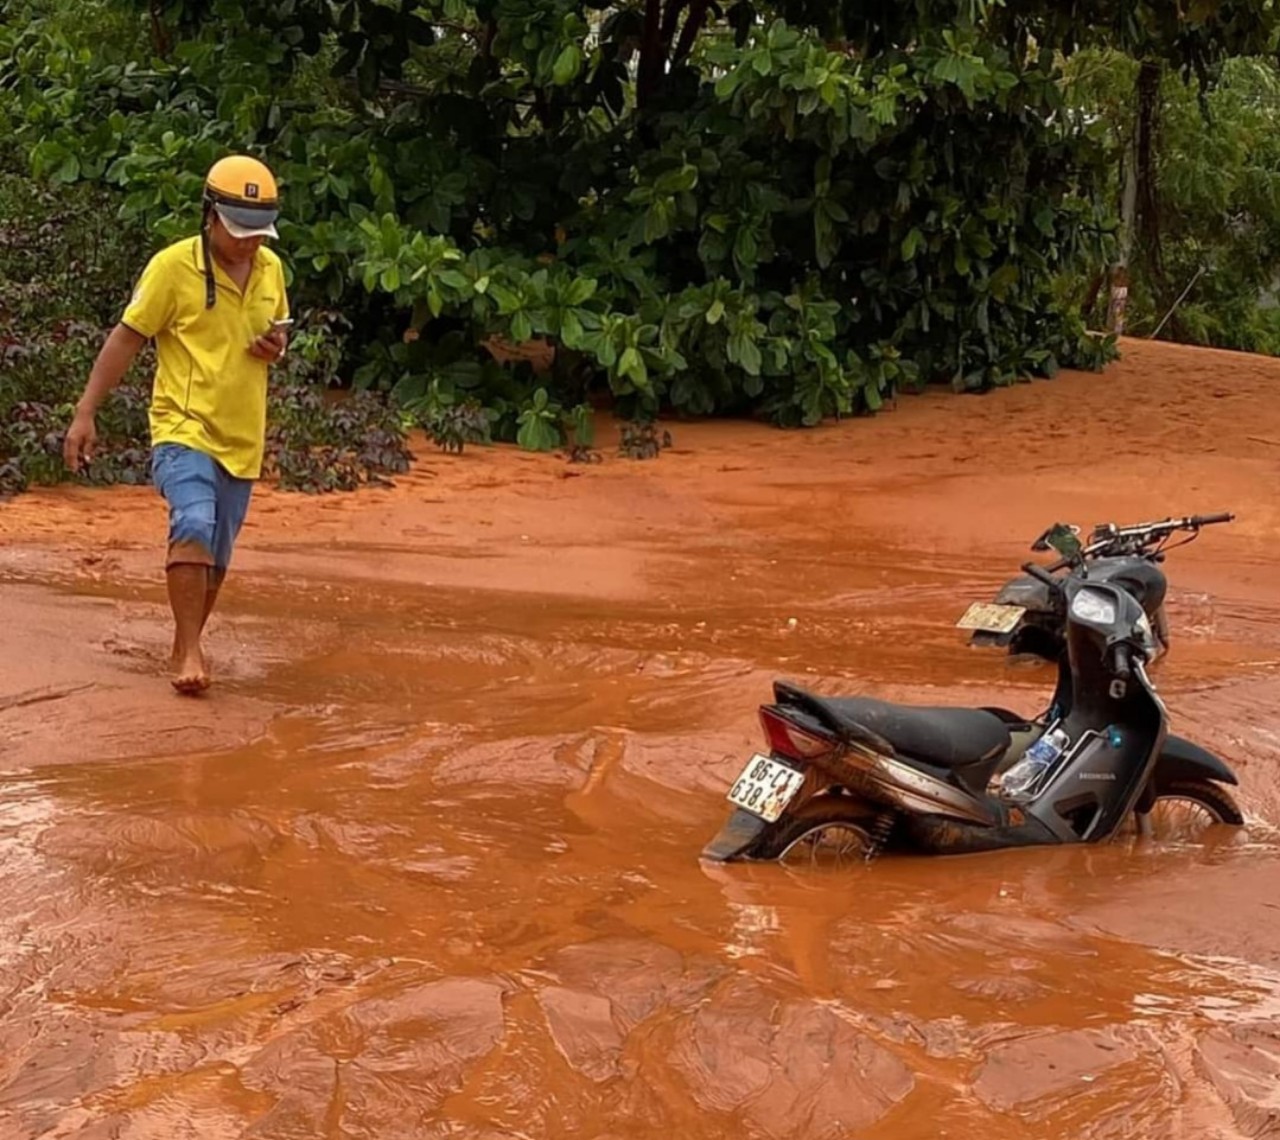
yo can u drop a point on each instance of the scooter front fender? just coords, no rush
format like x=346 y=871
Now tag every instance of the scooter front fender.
x=1182 y=760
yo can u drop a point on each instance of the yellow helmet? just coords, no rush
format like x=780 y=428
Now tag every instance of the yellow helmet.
x=243 y=192
x=244 y=195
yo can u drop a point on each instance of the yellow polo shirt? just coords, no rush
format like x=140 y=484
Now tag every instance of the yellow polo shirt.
x=210 y=393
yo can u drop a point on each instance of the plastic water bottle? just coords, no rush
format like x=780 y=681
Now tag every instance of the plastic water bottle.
x=1019 y=779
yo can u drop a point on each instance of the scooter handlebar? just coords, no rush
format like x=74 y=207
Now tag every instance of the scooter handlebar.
x=1197 y=521
x=1110 y=538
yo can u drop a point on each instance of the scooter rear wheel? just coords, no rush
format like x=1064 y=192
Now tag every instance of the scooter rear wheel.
x=830 y=830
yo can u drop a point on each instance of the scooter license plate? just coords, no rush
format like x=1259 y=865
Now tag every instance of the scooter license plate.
x=990 y=617
x=765 y=787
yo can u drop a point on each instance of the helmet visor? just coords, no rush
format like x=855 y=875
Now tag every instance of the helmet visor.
x=248 y=221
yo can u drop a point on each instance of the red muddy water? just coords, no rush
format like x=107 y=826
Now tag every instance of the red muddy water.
x=425 y=862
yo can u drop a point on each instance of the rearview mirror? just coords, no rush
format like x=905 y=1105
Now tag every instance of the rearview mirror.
x=1062 y=538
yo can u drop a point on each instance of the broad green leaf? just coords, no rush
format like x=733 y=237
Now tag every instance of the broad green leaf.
x=580 y=289
x=507 y=301
x=674 y=181
x=1002 y=280
x=582 y=420
x=728 y=83
x=631 y=365
x=571 y=329
x=69 y=170
x=567 y=64
x=536 y=434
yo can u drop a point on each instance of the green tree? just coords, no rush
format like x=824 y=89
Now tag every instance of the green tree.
x=1217 y=163
x=762 y=208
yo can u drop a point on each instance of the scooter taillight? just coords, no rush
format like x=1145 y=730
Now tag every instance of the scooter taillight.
x=788 y=739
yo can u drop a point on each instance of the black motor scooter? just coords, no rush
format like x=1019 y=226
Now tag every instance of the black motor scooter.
x=1026 y=615
x=849 y=775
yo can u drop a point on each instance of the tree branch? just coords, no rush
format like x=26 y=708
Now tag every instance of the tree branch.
x=652 y=57
x=159 y=34
x=692 y=26
x=670 y=19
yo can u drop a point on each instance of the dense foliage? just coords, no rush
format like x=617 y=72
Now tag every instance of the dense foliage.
x=521 y=207
x=1212 y=278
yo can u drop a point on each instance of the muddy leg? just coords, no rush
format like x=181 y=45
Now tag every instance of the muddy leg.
x=189 y=599
x=216 y=578
x=214 y=584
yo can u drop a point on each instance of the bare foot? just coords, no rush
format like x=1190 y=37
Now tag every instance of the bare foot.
x=191 y=678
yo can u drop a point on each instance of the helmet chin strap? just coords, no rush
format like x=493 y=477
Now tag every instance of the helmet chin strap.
x=210 y=288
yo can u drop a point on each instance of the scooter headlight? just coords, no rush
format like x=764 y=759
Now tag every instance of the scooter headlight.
x=1094 y=606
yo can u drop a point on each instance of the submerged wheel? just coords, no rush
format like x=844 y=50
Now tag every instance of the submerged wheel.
x=830 y=830
x=1185 y=808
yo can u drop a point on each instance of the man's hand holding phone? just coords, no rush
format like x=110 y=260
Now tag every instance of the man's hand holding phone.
x=270 y=345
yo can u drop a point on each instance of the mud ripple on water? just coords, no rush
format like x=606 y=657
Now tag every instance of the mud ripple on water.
x=454 y=893
x=510 y=938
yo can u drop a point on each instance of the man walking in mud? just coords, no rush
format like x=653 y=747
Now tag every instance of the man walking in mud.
x=216 y=307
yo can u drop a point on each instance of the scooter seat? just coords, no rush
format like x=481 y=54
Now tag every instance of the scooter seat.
x=943 y=737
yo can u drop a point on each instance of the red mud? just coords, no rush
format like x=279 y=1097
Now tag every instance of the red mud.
x=424 y=863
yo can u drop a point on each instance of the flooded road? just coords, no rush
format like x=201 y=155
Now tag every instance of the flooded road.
x=426 y=863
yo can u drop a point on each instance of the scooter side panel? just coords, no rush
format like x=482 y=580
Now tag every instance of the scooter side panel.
x=1096 y=784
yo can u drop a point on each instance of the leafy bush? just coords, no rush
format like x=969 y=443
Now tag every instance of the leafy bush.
x=452 y=426
x=643 y=441
x=317 y=444
x=730 y=217
x=320 y=440
x=62 y=260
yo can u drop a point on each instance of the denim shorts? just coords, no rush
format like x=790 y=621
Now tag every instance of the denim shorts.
x=207 y=506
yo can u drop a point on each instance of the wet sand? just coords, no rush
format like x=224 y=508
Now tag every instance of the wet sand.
x=424 y=863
